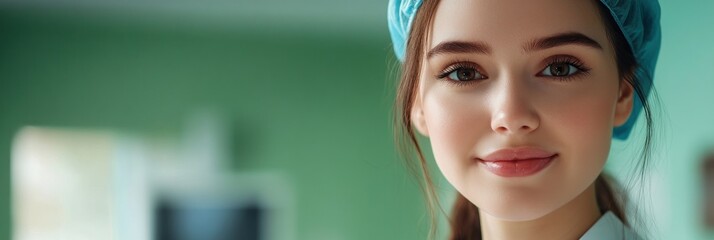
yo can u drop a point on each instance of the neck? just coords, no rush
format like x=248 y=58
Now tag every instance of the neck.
x=570 y=221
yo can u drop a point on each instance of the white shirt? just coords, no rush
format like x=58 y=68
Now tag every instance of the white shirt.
x=609 y=227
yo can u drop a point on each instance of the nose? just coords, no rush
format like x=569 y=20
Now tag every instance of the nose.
x=513 y=110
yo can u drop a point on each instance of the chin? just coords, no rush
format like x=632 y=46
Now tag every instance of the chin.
x=516 y=214
x=515 y=208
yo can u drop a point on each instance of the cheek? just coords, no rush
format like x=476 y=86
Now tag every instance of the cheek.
x=581 y=123
x=582 y=128
x=456 y=123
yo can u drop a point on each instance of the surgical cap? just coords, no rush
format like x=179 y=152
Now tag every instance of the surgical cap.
x=639 y=21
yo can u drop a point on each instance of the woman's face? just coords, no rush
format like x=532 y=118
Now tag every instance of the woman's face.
x=515 y=75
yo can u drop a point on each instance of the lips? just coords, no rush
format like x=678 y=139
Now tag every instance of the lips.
x=517 y=162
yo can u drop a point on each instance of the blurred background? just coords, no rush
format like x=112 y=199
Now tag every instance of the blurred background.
x=265 y=120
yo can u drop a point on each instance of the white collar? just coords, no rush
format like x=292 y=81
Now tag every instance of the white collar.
x=609 y=227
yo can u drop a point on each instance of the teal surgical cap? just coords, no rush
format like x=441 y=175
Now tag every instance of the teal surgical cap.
x=638 y=20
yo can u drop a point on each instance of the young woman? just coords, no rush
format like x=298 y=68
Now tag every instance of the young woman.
x=520 y=101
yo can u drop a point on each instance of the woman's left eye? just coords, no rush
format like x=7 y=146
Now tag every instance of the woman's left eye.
x=560 y=69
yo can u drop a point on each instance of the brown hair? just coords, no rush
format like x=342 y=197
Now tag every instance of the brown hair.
x=464 y=221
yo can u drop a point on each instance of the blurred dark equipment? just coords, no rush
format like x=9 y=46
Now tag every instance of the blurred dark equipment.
x=208 y=221
x=708 y=191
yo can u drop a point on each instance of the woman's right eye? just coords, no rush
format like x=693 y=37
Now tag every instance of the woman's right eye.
x=462 y=73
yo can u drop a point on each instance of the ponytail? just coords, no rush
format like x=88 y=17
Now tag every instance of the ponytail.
x=608 y=199
x=465 y=223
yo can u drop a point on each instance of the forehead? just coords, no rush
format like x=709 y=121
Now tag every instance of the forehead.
x=509 y=23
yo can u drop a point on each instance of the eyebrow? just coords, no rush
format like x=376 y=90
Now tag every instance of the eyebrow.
x=459 y=47
x=561 y=39
x=552 y=41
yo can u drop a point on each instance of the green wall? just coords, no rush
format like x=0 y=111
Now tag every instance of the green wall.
x=314 y=106
x=688 y=37
x=673 y=200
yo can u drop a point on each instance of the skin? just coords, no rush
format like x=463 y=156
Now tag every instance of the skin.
x=517 y=105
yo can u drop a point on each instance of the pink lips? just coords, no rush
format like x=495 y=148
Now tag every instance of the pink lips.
x=517 y=162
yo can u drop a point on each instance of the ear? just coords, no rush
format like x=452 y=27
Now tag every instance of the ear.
x=417 y=115
x=623 y=108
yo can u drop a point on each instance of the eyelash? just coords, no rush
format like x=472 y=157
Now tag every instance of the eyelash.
x=456 y=66
x=579 y=65
x=559 y=59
